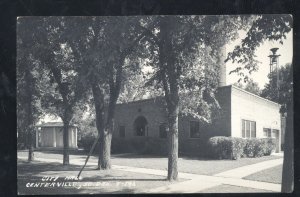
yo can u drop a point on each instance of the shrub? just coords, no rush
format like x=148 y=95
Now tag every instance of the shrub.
x=238 y=147
x=226 y=147
x=259 y=147
x=270 y=145
x=253 y=148
x=87 y=141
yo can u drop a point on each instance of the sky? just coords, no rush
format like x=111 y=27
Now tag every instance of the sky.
x=262 y=53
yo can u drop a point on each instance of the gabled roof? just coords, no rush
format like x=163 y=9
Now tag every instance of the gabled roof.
x=52 y=124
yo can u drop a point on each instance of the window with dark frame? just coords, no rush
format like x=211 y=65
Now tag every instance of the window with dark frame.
x=122 y=131
x=194 y=129
x=248 y=129
x=253 y=129
x=163 y=130
x=267 y=132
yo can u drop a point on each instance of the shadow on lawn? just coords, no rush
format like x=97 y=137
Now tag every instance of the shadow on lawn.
x=33 y=173
x=25 y=167
x=35 y=169
x=81 y=154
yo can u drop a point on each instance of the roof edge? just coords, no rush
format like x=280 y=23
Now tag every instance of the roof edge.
x=245 y=91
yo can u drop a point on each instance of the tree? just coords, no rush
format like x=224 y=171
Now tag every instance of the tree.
x=269 y=27
x=65 y=88
x=250 y=86
x=30 y=83
x=283 y=93
x=105 y=48
x=187 y=49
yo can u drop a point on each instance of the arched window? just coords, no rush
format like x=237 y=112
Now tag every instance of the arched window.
x=140 y=124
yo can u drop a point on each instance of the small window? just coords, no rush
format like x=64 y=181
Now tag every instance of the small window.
x=122 y=131
x=194 y=129
x=267 y=132
x=243 y=129
x=163 y=130
x=253 y=129
x=248 y=129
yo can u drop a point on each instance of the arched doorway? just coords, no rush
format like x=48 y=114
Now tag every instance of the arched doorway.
x=140 y=125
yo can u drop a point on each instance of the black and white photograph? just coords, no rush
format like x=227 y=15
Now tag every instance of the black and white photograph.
x=154 y=104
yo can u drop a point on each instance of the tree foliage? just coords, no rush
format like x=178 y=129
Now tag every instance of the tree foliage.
x=250 y=86
x=265 y=27
x=283 y=93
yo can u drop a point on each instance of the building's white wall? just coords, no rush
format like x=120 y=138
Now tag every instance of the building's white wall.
x=246 y=106
x=59 y=137
x=48 y=139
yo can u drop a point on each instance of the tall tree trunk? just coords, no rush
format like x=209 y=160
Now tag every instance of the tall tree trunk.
x=30 y=123
x=105 y=162
x=98 y=96
x=171 y=89
x=287 y=185
x=114 y=91
x=173 y=143
x=30 y=144
x=66 y=159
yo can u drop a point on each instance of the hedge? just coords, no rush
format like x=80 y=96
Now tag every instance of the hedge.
x=270 y=145
x=259 y=147
x=226 y=147
x=222 y=147
x=254 y=147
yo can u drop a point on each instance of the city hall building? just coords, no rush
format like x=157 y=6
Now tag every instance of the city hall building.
x=141 y=125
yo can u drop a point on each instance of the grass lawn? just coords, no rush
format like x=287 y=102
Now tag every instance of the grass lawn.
x=271 y=175
x=93 y=181
x=185 y=164
x=232 y=189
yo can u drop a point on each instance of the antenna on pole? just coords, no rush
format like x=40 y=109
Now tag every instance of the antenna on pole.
x=274 y=60
x=274 y=66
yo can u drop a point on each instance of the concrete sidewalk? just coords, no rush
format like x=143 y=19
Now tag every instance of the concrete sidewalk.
x=250 y=169
x=197 y=182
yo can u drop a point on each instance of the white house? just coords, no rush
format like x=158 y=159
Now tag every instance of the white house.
x=50 y=135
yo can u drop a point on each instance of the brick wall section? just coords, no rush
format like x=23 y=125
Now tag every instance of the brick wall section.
x=125 y=115
x=188 y=145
